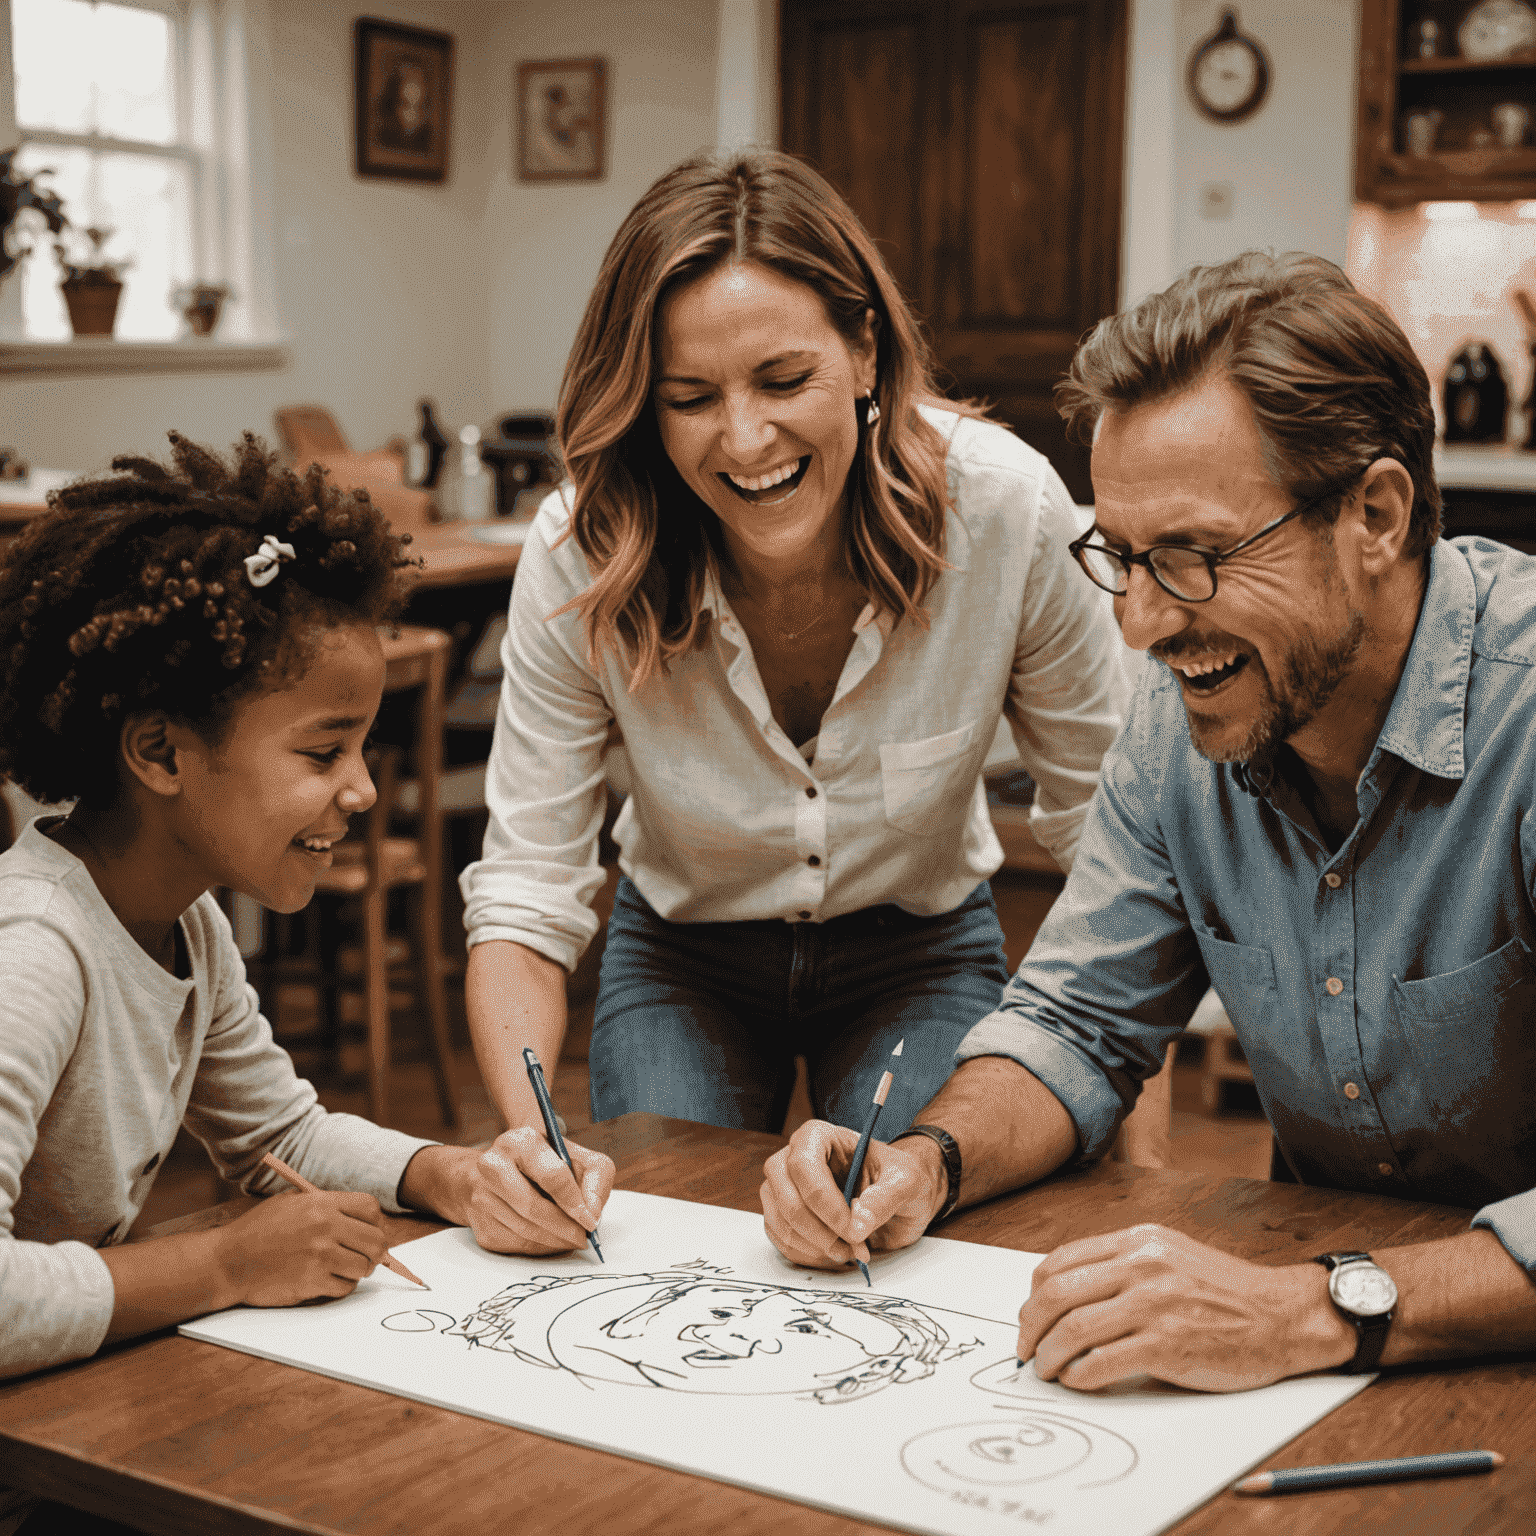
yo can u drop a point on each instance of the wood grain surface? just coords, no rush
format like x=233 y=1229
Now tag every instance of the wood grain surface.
x=183 y=1437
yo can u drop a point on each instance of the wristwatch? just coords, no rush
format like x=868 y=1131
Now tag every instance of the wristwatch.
x=951 y=1150
x=1366 y=1294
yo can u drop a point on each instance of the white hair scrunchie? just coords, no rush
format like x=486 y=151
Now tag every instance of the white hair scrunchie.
x=261 y=567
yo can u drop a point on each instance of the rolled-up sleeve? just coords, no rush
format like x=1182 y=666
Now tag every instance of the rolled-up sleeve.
x=544 y=786
x=1069 y=688
x=1114 y=971
x=1513 y=1222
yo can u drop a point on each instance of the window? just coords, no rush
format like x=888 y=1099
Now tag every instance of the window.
x=98 y=100
x=140 y=108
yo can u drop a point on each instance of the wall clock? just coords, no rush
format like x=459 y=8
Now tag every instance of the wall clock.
x=1228 y=73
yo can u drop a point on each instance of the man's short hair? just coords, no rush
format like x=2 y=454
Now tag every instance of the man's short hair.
x=1330 y=377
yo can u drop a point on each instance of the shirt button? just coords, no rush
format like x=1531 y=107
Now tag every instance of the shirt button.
x=810 y=791
x=152 y=1164
x=804 y=917
x=814 y=862
x=1334 y=882
x=1351 y=1091
x=1384 y=1169
x=1334 y=986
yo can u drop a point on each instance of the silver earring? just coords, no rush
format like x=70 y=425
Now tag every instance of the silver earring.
x=871 y=409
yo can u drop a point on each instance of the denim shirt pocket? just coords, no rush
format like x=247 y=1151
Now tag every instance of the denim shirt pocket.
x=1468 y=1032
x=1243 y=976
x=928 y=784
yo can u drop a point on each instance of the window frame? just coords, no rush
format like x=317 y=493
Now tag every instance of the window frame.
x=222 y=229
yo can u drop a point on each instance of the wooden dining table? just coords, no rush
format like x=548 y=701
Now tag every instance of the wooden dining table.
x=176 y=1436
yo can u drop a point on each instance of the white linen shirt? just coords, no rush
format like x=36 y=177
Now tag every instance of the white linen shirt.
x=726 y=821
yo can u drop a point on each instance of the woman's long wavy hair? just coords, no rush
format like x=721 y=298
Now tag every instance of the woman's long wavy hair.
x=647 y=536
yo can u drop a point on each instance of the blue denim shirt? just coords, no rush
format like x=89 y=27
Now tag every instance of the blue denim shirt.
x=1385 y=994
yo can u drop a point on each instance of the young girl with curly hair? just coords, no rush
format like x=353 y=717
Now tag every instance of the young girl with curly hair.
x=190 y=654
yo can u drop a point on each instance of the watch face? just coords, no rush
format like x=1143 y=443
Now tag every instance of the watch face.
x=1364 y=1289
x=1226 y=76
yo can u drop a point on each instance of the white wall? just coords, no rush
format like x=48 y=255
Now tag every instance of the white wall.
x=546 y=241
x=380 y=284
x=1290 y=166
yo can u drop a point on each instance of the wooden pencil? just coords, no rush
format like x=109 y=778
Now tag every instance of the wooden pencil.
x=299 y=1182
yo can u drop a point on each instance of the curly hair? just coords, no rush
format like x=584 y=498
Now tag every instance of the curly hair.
x=644 y=532
x=1332 y=381
x=131 y=595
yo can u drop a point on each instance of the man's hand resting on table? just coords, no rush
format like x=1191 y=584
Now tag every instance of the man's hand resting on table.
x=901 y=1190
x=1147 y=1301
x=497 y=1193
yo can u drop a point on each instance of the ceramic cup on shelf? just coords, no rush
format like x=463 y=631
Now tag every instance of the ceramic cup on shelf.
x=1511 y=123
x=1429 y=38
x=1420 y=129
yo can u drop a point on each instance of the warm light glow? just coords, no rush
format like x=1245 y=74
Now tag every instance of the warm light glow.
x=1449 y=213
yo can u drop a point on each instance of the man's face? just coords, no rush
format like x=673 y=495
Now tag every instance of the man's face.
x=719 y=1338
x=1262 y=658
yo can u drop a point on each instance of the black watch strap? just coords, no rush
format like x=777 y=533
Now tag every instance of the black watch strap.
x=951 y=1150
x=1371 y=1332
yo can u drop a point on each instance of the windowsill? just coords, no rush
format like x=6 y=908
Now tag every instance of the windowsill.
x=93 y=355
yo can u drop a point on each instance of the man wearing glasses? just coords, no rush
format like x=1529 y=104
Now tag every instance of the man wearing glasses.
x=1322 y=805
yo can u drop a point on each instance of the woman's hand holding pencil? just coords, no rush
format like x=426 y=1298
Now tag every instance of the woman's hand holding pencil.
x=526 y=1200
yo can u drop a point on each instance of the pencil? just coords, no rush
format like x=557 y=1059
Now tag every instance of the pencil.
x=299 y=1182
x=552 y=1128
x=1348 y=1474
x=856 y=1167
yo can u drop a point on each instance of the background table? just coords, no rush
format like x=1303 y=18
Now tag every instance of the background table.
x=189 y=1438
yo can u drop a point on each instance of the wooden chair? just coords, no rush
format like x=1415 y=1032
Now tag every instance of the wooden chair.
x=367 y=868
x=312 y=436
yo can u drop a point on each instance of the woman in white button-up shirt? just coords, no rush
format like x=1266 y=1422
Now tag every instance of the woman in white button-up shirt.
x=804 y=590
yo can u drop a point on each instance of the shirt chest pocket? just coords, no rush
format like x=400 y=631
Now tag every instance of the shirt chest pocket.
x=1468 y=1032
x=928 y=784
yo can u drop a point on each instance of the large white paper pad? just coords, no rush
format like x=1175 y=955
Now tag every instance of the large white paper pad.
x=697 y=1346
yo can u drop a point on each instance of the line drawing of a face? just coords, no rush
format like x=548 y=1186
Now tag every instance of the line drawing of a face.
x=694 y=1329
x=1034 y=1447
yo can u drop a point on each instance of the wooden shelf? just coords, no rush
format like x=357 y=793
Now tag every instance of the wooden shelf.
x=1465 y=66
x=1465 y=91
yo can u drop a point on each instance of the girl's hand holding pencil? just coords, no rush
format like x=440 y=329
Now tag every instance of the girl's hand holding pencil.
x=295 y=1247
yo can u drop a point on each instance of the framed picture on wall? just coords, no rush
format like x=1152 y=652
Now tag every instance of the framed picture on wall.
x=403 y=79
x=561 y=112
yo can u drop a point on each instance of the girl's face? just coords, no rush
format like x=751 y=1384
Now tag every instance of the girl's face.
x=260 y=810
x=756 y=396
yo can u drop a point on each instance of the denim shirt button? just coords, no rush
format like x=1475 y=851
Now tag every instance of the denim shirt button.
x=1333 y=881
x=1384 y=1169
x=1351 y=1091
x=1333 y=986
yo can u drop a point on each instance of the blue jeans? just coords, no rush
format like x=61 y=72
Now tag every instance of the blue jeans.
x=703 y=1021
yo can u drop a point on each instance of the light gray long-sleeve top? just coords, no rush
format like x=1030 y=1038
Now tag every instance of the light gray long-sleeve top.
x=103 y=1054
x=726 y=821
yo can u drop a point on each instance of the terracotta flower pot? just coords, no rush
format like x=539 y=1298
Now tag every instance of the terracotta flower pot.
x=92 y=305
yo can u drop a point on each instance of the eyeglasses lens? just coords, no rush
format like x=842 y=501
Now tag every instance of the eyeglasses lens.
x=1103 y=568
x=1183 y=572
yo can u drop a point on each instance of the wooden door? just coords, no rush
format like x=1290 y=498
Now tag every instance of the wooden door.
x=981 y=143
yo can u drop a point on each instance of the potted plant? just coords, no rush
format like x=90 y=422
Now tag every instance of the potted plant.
x=92 y=285
x=17 y=195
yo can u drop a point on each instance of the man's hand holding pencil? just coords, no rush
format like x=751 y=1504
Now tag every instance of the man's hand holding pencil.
x=902 y=1188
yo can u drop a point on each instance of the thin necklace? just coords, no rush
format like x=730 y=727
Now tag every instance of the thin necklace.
x=805 y=629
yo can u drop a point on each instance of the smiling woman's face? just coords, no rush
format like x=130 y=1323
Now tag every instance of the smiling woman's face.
x=756 y=396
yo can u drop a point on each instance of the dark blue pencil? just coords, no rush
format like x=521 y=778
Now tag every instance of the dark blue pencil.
x=856 y=1167
x=1348 y=1474
x=552 y=1128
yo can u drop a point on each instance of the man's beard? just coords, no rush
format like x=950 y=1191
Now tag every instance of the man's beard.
x=1312 y=674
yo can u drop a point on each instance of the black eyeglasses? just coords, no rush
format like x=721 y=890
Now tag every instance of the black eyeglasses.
x=1184 y=571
